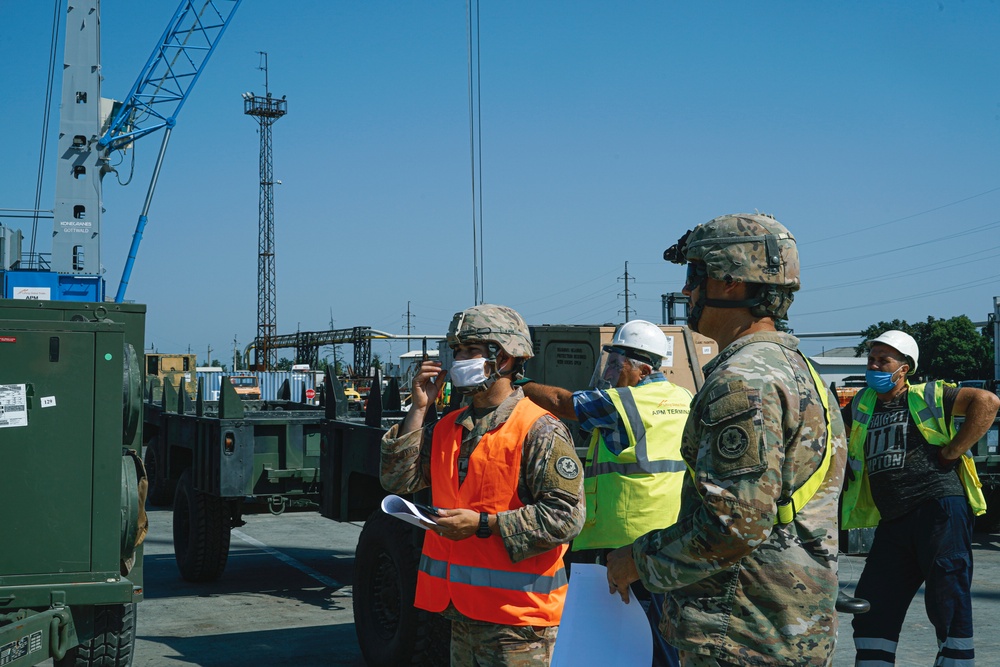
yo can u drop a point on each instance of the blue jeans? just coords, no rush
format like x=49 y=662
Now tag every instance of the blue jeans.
x=932 y=545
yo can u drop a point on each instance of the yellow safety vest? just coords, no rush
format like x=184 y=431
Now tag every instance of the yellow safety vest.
x=790 y=505
x=639 y=489
x=926 y=403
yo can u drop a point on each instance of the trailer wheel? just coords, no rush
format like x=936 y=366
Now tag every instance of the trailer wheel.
x=113 y=644
x=202 y=525
x=161 y=491
x=391 y=631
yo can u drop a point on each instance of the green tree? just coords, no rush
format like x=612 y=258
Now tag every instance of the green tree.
x=951 y=349
x=284 y=364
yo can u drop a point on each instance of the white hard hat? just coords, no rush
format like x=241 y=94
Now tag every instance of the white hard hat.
x=903 y=343
x=641 y=336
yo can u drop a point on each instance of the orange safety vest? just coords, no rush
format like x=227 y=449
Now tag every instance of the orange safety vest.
x=476 y=574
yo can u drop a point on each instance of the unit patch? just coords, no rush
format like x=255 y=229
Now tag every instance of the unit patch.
x=567 y=467
x=732 y=442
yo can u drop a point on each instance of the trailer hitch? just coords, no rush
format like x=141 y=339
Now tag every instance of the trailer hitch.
x=276 y=505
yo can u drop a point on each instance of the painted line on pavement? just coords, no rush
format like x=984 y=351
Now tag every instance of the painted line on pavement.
x=288 y=560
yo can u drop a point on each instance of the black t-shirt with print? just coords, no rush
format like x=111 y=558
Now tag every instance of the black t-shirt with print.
x=902 y=467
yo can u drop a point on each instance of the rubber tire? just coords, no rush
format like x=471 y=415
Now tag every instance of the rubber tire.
x=161 y=491
x=391 y=631
x=113 y=644
x=202 y=525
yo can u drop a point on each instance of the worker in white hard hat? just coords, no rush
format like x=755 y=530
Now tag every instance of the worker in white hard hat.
x=910 y=475
x=633 y=471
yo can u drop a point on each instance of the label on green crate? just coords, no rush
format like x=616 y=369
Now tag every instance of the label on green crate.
x=20 y=647
x=13 y=407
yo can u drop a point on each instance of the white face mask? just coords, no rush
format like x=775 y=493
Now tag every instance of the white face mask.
x=468 y=372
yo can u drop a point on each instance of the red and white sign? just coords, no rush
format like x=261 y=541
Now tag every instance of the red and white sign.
x=310 y=394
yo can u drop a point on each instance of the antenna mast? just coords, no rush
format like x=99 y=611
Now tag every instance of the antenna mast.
x=267 y=111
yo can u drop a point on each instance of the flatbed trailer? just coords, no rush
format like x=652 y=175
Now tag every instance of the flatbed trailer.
x=217 y=462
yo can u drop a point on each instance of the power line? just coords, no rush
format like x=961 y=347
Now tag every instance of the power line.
x=868 y=228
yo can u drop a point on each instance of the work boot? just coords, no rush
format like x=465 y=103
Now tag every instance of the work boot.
x=848 y=605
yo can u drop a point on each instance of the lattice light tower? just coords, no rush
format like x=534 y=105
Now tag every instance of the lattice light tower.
x=266 y=110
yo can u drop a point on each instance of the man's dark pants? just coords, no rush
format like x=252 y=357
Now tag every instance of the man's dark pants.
x=932 y=544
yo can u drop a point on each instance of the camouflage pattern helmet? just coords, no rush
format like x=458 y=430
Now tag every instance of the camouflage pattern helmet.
x=747 y=248
x=489 y=323
x=743 y=248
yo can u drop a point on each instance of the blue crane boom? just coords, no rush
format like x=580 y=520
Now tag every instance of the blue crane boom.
x=75 y=272
x=161 y=90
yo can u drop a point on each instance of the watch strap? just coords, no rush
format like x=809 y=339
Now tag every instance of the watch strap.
x=484 y=525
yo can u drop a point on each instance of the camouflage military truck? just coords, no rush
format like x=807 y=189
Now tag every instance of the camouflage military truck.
x=70 y=425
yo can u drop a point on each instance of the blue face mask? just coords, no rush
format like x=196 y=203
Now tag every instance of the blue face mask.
x=880 y=381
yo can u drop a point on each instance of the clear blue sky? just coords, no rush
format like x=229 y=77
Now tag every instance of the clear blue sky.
x=870 y=129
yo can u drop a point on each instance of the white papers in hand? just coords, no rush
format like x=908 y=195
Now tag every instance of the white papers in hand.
x=401 y=508
x=624 y=638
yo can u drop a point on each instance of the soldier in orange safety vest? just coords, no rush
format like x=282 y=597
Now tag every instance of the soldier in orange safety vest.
x=508 y=486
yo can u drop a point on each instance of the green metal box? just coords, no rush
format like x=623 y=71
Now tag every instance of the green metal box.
x=70 y=402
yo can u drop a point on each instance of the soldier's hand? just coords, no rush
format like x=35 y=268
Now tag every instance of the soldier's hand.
x=427 y=384
x=457 y=524
x=621 y=572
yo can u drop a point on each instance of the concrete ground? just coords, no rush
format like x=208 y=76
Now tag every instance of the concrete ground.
x=285 y=599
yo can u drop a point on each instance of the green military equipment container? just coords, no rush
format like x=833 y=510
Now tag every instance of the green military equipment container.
x=70 y=422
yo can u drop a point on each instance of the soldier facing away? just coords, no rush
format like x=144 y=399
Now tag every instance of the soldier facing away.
x=749 y=570
x=509 y=486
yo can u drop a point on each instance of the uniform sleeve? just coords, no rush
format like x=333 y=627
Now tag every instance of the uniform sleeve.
x=551 y=488
x=594 y=410
x=729 y=510
x=405 y=465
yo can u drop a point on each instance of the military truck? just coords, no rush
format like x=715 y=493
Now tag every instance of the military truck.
x=73 y=520
x=220 y=461
x=175 y=369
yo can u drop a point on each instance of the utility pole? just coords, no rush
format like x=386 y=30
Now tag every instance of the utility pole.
x=626 y=293
x=235 y=354
x=209 y=361
x=267 y=110
x=408 y=326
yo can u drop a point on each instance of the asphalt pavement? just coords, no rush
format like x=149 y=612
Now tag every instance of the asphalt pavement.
x=285 y=599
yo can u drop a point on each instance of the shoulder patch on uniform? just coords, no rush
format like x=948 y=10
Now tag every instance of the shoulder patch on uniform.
x=732 y=442
x=567 y=467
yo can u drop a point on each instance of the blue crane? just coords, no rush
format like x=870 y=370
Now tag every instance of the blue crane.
x=161 y=90
x=159 y=93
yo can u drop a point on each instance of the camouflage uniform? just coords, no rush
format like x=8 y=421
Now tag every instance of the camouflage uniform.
x=553 y=515
x=740 y=588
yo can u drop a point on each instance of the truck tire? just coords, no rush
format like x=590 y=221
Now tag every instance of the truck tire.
x=202 y=525
x=113 y=644
x=391 y=631
x=161 y=491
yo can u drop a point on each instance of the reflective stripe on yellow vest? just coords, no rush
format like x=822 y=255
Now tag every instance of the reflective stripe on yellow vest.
x=637 y=490
x=789 y=506
x=926 y=404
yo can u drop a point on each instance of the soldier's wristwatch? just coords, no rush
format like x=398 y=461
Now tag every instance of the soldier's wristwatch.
x=484 y=525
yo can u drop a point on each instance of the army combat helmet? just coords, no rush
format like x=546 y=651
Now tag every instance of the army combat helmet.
x=500 y=328
x=751 y=248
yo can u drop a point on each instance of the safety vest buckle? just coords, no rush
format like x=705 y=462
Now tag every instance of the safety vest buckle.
x=786 y=511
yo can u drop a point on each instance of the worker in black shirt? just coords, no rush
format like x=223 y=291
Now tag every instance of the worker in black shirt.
x=910 y=476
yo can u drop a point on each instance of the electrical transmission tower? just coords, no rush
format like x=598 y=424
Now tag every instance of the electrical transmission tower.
x=266 y=110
